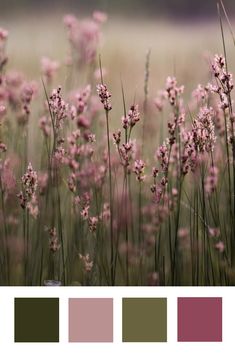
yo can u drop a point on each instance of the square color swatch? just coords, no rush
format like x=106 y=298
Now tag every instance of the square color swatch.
x=200 y=319
x=144 y=320
x=36 y=320
x=91 y=320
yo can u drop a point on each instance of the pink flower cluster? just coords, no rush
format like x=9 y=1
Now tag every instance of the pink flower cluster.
x=58 y=108
x=224 y=81
x=211 y=180
x=27 y=197
x=84 y=36
x=54 y=245
x=138 y=169
x=132 y=118
x=104 y=96
x=8 y=180
x=49 y=68
x=203 y=130
x=3 y=39
x=173 y=90
x=87 y=262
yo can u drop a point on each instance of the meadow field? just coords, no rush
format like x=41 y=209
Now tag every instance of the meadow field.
x=117 y=151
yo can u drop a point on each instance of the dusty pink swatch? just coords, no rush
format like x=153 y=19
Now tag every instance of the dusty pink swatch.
x=91 y=320
x=200 y=319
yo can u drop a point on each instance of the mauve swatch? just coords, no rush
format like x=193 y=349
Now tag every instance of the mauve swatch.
x=200 y=319
x=91 y=320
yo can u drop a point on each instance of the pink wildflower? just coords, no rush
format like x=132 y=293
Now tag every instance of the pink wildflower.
x=85 y=212
x=204 y=130
x=138 y=169
x=54 y=245
x=49 y=68
x=99 y=16
x=211 y=180
x=92 y=224
x=3 y=35
x=173 y=91
x=220 y=246
x=27 y=196
x=58 y=108
x=104 y=96
x=3 y=147
x=45 y=125
x=3 y=111
x=214 y=232
x=87 y=262
x=7 y=176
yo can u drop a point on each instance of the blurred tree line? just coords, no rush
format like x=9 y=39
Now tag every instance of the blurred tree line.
x=168 y=8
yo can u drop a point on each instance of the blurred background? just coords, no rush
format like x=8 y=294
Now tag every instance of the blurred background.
x=181 y=35
x=130 y=8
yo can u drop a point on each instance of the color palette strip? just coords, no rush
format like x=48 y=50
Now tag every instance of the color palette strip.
x=143 y=319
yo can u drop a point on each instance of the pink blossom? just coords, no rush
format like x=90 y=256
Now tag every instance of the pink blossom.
x=84 y=37
x=27 y=197
x=117 y=137
x=200 y=93
x=173 y=91
x=54 y=245
x=58 y=108
x=83 y=122
x=32 y=206
x=204 y=130
x=7 y=176
x=162 y=154
x=3 y=111
x=3 y=147
x=153 y=279
x=104 y=96
x=211 y=180
x=214 y=232
x=70 y=21
x=105 y=214
x=45 y=125
x=183 y=232
x=224 y=81
x=220 y=246
x=99 y=16
x=138 y=169
x=133 y=116
x=87 y=262
x=49 y=68
x=72 y=182
x=92 y=224
x=14 y=79
x=42 y=182
x=159 y=101
x=30 y=181
x=27 y=91
x=85 y=212
x=3 y=35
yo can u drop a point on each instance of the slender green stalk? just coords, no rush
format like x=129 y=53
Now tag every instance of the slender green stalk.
x=146 y=92
x=5 y=242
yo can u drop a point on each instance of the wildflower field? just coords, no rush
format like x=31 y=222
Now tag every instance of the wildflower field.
x=117 y=153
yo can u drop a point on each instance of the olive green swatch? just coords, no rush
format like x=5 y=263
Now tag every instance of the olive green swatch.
x=36 y=320
x=144 y=319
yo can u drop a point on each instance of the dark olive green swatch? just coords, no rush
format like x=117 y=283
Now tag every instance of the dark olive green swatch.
x=36 y=320
x=144 y=320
